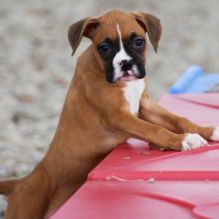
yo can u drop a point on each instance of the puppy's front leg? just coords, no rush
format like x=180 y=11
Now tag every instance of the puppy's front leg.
x=136 y=127
x=152 y=112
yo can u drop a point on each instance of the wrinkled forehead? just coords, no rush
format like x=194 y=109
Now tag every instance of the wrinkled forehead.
x=113 y=24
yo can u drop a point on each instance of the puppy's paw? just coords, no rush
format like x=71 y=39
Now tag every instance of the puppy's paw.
x=215 y=135
x=192 y=141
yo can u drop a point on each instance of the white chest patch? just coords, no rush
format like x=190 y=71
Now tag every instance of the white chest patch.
x=133 y=92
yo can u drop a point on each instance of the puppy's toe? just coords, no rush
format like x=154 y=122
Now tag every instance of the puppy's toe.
x=215 y=135
x=192 y=141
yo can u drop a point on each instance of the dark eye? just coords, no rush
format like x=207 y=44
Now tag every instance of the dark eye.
x=138 y=43
x=104 y=48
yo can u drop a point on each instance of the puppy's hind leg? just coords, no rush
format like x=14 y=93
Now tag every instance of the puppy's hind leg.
x=30 y=198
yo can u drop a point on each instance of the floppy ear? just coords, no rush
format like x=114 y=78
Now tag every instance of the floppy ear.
x=85 y=27
x=151 y=25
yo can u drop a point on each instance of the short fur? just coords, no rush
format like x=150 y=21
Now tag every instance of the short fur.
x=96 y=117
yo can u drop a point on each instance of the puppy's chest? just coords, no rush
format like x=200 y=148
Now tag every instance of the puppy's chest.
x=133 y=92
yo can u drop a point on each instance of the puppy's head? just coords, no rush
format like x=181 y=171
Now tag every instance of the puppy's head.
x=119 y=41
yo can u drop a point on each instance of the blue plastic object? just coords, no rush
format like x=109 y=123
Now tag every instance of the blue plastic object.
x=194 y=80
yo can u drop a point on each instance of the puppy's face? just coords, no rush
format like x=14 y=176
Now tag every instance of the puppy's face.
x=121 y=46
x=119 y=41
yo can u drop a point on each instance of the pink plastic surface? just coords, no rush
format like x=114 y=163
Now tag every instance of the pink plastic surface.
x=138 y=200
x=136 y=182
x=200 y=108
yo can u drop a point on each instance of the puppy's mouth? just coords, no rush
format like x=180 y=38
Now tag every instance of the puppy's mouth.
x=128 y=76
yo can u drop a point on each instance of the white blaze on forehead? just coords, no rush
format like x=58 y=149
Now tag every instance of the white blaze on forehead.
x=120 y=56
x=122 y=51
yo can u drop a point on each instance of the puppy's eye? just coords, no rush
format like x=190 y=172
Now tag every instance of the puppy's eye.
x=138 y=43
x=104 y=48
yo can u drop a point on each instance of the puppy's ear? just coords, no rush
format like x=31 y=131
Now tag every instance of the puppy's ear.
x=85 y=27
x=151 y=25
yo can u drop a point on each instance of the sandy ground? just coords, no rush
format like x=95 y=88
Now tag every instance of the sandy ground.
x=36 y=66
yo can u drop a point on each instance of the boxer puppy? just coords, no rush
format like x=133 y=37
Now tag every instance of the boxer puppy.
x=106 y=104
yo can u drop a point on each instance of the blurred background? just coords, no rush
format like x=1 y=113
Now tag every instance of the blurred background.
x=36 y=67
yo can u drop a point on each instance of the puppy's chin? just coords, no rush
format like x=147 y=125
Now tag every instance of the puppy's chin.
x=127 y=78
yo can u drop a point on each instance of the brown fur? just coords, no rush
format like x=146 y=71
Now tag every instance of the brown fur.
x=95 y=118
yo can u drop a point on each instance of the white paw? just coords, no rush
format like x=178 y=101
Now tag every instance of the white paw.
x=215 y=135
x=192 y=141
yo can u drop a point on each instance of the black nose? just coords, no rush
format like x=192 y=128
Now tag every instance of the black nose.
x=126 y=65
